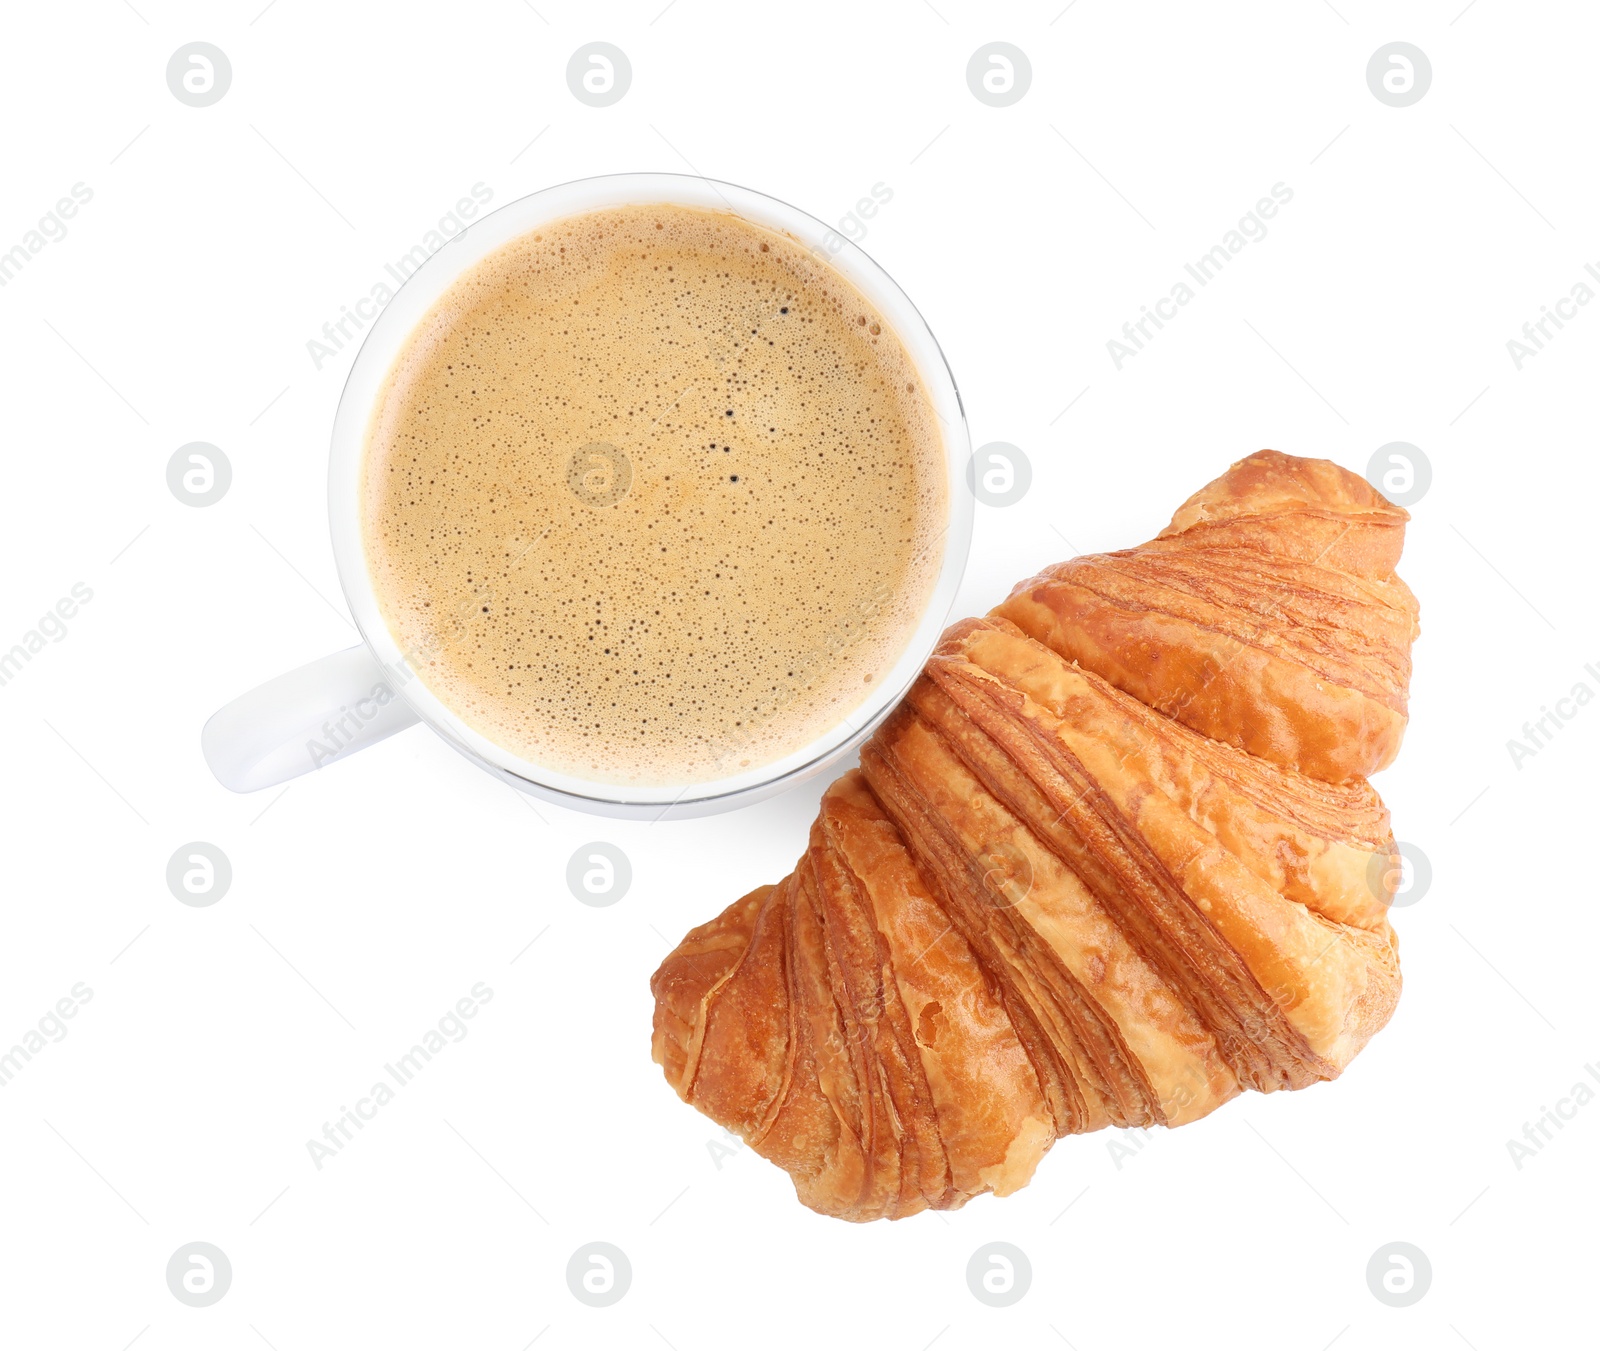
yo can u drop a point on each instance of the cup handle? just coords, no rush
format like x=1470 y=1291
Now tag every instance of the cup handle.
x=303 y=720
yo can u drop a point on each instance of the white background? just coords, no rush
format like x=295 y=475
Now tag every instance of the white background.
x=368 y=899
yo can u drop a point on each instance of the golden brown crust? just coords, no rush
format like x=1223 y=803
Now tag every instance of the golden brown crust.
x=1046 y=904
x=1266 y=616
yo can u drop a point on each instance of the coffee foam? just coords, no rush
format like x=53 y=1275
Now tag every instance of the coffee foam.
x=653 y=496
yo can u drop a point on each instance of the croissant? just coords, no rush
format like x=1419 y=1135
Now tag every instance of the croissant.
x=1113 y=860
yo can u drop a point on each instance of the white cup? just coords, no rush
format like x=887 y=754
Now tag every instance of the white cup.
x=311 y=717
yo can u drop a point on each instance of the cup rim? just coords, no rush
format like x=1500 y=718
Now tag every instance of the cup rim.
x=416 y=297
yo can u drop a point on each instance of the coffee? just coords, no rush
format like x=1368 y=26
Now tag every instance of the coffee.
x=653 y=496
